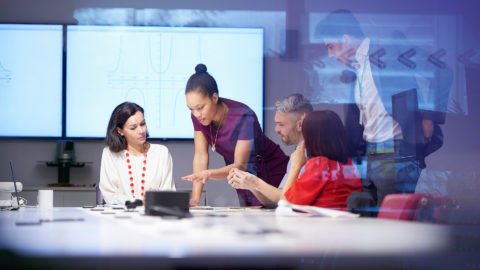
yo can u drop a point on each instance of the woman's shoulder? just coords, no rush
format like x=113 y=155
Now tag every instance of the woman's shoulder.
x=321 y=163
x=315 y=165
x=107 y=151
x=323 y=159
x=158 y=148
x=315 y=161
x=236 y=106
x=238 y=111
x=110 y=154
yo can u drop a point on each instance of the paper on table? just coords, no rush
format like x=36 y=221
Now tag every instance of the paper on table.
x=286 y=208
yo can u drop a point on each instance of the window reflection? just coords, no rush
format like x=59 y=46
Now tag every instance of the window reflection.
x=272 y=21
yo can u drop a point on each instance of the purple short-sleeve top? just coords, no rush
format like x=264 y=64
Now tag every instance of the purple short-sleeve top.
x=267 y=160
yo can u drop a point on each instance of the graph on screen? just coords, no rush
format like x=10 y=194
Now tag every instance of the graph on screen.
x=107 y=65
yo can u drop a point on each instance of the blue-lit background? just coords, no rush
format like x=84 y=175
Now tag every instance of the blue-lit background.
x=444 y=37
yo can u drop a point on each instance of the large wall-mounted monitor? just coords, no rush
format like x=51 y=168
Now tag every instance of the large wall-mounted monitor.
x=107 y=65
x=31 y=80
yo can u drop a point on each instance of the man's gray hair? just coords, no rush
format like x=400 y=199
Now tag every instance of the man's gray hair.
x=294 y=103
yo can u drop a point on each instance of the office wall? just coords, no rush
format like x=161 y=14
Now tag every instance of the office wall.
x=284 y=73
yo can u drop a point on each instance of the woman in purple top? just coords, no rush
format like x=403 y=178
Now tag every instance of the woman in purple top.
x=231 y=128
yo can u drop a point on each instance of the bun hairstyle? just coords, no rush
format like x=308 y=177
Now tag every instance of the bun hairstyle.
x=202 y=81
x=200 y=68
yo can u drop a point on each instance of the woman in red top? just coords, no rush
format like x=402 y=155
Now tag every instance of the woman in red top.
x=330 y=175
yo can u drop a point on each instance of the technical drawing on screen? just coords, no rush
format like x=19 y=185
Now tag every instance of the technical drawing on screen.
x=107 y=65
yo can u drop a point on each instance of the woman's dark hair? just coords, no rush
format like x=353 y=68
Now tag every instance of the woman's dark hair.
x=202 y=81
x=325 y=135
x=119 y=117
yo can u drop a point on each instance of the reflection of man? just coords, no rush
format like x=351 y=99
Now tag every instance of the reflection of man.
x=392 y=165
x=288 y=118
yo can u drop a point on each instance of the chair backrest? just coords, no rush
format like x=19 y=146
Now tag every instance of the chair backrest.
x=420 y=207
x=400 y=206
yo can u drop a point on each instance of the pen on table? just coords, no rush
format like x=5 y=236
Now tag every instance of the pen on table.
x=61 y=219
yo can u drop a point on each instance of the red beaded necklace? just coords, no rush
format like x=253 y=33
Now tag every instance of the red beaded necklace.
x=127 y=154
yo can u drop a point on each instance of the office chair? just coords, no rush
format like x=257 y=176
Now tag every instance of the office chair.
x=362 y=203
x=419 y=207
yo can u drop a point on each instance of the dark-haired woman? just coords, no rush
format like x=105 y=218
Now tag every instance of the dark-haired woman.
x=329 y=176
x=130 y=165
x=231 y=129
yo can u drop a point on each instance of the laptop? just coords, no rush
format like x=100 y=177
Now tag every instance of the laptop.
x=15 y=185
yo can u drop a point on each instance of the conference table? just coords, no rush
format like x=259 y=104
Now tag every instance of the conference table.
x=216 y=237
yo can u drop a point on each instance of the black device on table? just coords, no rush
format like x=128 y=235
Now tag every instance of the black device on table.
x=167 y=203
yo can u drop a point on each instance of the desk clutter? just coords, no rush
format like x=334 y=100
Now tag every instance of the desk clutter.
x=234 y=223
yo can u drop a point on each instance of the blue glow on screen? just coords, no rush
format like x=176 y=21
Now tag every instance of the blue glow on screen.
x=107 y=65
x=31 y=80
